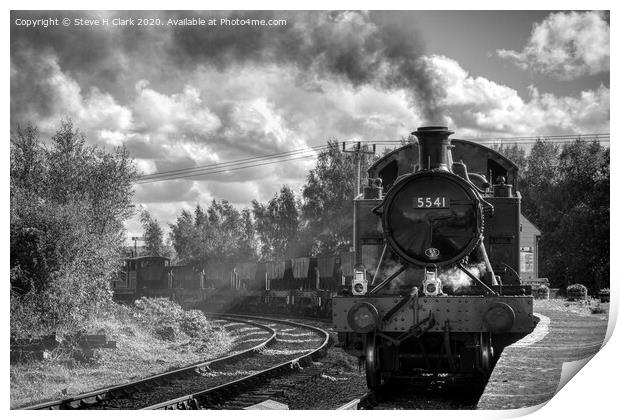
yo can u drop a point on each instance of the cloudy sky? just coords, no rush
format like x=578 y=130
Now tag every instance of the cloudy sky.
x=186 y=96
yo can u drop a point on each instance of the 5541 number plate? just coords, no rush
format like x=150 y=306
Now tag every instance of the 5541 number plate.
x=432 y=202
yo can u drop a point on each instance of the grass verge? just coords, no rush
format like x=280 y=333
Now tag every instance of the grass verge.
x=154 y=336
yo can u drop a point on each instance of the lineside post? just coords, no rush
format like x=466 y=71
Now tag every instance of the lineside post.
x=359 y=154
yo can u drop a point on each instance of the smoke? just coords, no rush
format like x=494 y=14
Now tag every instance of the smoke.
x=454 y=280
x=390 y=266
x=357 y=48
x=412 y=276
x=344 y=45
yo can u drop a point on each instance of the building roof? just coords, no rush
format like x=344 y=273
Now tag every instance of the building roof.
x=525 y=222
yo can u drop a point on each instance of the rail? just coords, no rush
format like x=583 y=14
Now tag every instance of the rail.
x=354 y=404
x=103 y=394
x=199 y=399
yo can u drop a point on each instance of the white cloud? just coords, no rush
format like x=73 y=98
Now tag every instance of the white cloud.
x=256 y=121
x=566 y=45
x=239 y=193
x=145 y=166
x=99 y=111
x=170 y=191
x=178 y=115
x=251 y=110
x=478 y=106
x=55 y=95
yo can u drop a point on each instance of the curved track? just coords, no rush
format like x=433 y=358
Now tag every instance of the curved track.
x=285 y=357
x=96 y=398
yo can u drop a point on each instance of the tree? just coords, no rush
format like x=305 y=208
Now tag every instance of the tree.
x=27 y=160
x=153 y=235
x=219 y=234
x=68 y=204
x=223 y=231
x=539 y=182
x=248 y=245
x=328 y=200
x=579 y=232
x=566 y=194
x=515 y=153
x=185 y=238
x=277 y=225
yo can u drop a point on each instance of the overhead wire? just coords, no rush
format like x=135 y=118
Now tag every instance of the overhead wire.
x=239 y=161
x=269 y=159
x=217 y=170
x=232 y=165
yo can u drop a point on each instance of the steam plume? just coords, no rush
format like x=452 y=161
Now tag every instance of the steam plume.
x=455 y=280
x=353 y=47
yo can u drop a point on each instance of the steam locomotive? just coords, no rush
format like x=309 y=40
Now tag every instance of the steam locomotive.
x=436 y=291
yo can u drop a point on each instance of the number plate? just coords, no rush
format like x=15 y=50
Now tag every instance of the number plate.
x=431 y=202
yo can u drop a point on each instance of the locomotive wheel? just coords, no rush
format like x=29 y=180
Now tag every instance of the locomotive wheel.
x=484 y=356
x=373 y=368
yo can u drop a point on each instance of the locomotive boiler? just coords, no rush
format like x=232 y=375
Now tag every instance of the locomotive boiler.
x=436 y=291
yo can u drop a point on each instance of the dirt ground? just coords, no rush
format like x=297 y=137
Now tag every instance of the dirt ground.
x=528 y=373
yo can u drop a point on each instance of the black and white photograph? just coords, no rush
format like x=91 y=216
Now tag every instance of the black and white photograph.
x=307 y=209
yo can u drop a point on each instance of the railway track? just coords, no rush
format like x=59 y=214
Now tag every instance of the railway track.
x=290 y=354
x=271 y=348
x=255 y=338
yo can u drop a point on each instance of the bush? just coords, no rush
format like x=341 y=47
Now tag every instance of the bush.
x=542 y=292
x=68 y=203
x=168 y=319
x=603 y=295
x=576 y=292
x=27 y=316
x=166 y=332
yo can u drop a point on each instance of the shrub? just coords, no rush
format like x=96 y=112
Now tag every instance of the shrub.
x=166 y=332
x=68 y=203
x=168 y=319
x=576 y=292
x=27 y=316
x=542 y=292
x=603 y=295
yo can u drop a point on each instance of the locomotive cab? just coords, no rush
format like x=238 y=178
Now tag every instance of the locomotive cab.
x=442 y=298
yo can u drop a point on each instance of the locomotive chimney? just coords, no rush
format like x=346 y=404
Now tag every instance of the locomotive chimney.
x=435 y=147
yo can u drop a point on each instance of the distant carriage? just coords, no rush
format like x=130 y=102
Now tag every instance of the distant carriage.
x=302 y=285
x=303 y=296
x=146 y=275
x=278 y=275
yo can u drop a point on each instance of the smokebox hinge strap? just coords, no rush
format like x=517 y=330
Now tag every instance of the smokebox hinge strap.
x=379 y=265
x=476 y=279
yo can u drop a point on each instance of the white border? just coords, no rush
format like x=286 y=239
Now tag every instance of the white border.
x=591 y=395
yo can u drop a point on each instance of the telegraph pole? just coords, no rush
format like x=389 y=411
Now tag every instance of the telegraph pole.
x=359 y=153
x=135 y=240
